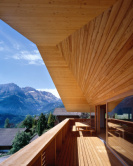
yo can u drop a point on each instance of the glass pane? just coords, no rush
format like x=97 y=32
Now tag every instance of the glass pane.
x=120 y=129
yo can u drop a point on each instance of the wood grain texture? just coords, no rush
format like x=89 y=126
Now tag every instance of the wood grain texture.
x=81 y=149
x=31 y=154
x=86 y=45
x=66 y=84
x=100 y=54
x=48 y=22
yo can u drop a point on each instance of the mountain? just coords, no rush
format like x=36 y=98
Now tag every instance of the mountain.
x=14 y=119
x=22 y=101
x=124 y=107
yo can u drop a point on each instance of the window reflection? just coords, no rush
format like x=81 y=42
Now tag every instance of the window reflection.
x=120 y=129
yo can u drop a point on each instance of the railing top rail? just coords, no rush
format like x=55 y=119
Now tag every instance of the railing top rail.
x=35 y=148
x=119 y=120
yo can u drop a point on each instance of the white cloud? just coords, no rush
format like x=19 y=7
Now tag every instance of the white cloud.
x=33 y=57
x=1 y=48
x=36 y=51
x=10 y=39
x=53 y=91
x=16 y=46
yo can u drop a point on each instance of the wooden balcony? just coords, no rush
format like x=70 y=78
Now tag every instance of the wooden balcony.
x=61 y=146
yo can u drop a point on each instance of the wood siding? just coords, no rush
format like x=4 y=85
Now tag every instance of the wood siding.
x=100 y=54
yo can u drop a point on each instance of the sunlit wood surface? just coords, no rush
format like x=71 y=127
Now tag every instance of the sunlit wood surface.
x=99 y=58
x=85 y=44
x=66 y=84
x=47 y=22
x=83 y=150
x=42 y=149
x=100 y=54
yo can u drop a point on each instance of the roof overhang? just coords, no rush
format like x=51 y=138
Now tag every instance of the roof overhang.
x=86 y=45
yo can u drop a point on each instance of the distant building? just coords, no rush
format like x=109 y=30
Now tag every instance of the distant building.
x=62 y=114
x=7 y=136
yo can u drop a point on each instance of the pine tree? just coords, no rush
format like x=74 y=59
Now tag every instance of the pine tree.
x=39 y=128
x=51 y=120
x=41 y=125
x=28 y=121
x=20 y=140
x=6 y=123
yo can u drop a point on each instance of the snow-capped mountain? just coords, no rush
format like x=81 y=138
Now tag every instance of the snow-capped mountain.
x=23 y=101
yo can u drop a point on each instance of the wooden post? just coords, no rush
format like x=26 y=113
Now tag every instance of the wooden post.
x=107 y=123
x=90 y=119
x=98 y=119
x=95 y=118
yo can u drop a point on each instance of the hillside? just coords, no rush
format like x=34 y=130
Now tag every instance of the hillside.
x=22 y=101
x=124 y=107
x=14 y=119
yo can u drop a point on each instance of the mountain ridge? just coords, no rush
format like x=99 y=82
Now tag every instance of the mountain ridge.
x=26 y=100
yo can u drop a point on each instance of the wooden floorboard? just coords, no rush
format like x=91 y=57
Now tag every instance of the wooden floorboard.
x=81 y=149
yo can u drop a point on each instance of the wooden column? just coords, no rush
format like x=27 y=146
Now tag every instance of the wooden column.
x=107 y=123
x=95 y=118
x=98 y=119
x=90 y=119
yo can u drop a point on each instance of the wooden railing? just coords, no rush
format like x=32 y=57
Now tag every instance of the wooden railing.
x=43 y=150
x=120 y=125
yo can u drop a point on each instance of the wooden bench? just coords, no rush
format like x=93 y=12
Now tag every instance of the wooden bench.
x=92 y=131
x=73 y=128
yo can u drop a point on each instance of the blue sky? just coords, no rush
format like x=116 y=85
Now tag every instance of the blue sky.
x=21 y=62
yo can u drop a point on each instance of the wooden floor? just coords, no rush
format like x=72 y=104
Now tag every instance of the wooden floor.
x=81 y=149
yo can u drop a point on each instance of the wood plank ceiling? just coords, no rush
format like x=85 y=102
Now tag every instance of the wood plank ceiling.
x=48 y=22
x=86 y=45
x=66 y=84
x=100 y=54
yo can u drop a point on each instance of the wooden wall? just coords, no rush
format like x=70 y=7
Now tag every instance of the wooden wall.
x=100 y=54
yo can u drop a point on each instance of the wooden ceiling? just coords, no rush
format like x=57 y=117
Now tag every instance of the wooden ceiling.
x=86 y=45
x=66 y=84
x=48 y=22
x=100 y=54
